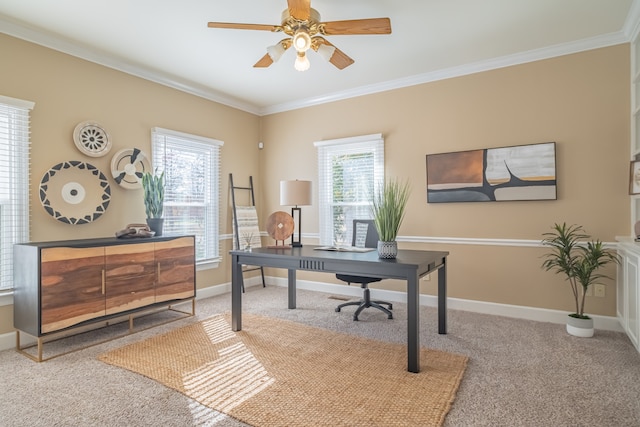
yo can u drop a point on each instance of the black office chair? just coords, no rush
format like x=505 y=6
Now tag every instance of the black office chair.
x=364 y=235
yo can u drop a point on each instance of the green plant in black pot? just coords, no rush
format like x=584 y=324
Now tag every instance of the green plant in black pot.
x=153 y=186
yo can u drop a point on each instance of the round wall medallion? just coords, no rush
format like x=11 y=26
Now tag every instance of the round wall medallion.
x=128 y=166
x=74 y=192
x=91 y=139
x=280 y=225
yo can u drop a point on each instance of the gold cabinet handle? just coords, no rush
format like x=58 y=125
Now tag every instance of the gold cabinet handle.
x=103 y=281
x=158 y=270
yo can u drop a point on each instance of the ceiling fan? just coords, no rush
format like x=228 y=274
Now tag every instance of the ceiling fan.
x=305 y=30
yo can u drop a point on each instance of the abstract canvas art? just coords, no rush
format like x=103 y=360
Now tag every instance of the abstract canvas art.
x=522 y=172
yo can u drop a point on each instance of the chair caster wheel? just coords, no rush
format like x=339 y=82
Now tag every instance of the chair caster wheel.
x=390 y=317
x=337 y=310
x=390 y=307
x=355 y=319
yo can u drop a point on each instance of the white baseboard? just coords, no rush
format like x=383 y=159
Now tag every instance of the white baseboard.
x=7 y=341
x=609 y=323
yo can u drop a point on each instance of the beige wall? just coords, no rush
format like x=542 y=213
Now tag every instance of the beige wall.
x=580 y=101
x=67 y=91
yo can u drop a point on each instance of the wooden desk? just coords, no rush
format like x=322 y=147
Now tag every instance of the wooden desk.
x=409 y=265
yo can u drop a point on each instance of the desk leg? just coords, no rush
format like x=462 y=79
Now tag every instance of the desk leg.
x=292 y=288
x=413 y=324
x=236 y=294
x=442 y=297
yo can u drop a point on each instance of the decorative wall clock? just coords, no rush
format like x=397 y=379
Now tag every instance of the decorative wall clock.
x=75 y=192
x=91 y=139
x=128 y=166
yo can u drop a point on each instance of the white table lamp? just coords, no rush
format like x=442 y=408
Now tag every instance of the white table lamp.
x=295 y=193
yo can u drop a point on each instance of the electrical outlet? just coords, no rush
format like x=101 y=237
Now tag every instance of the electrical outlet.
x=598 y=290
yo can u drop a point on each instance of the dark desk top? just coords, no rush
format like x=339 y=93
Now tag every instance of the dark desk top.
x=336 y=261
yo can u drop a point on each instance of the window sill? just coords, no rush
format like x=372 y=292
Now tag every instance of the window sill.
x=208 y=265
x=6 y=298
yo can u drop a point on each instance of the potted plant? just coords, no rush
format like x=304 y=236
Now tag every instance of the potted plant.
x=580 y=262
x=153 y=186
x=388 y=209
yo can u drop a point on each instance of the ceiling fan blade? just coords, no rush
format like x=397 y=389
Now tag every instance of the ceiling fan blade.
x=300 y=9
x=231 y=25
x=357 y=26
x=264 y=62
x=340 y=59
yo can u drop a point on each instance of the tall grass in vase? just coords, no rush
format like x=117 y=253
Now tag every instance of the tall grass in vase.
x=388 y=207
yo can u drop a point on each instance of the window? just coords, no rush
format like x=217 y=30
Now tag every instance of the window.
x=349 y=170
x=14 y=182
x=191 y=165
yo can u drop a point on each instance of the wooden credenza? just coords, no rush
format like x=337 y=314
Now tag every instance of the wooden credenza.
x=67 y=284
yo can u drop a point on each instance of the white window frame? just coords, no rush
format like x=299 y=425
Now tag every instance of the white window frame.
x=332 y=230
x=15 y=146
x=207 y=242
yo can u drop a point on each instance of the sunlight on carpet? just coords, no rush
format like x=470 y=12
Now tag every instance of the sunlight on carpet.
x=281 y=373
x=230 y=380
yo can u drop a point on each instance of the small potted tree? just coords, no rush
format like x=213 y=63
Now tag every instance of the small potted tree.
x=580 y=261
x=388 y=209
x=153 y=186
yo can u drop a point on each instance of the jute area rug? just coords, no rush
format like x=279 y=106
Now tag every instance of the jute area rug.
x=280 y=373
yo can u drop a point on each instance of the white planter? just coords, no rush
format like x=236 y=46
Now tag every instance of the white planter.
x=387 y=250
x=580 y=327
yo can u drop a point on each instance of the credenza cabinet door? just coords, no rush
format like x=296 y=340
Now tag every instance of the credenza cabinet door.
x=130 y=276
x=175 y=260
x=60 y=285
x=72 y=286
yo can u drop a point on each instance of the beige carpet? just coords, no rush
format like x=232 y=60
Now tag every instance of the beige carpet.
x=280 y=373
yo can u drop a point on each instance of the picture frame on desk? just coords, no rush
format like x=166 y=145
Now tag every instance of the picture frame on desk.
x=634 y=177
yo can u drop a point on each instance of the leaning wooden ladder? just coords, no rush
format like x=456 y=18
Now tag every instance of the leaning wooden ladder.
x=247 y=213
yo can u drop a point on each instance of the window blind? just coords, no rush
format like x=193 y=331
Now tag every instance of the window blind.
x=191 y=165
x=349 y=170
x=14 y=181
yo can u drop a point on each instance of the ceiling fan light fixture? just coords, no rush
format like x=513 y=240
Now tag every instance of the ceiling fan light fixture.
x=301 y=40
x=326 y=52
x=276 y=51
x=302 y=62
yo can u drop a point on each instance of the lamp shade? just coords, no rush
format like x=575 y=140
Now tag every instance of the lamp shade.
x=326 y=52
x=302 y=62
x=275 y=51
x=295 y=193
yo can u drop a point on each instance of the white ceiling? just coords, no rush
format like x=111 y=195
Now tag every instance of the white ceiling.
x=168 y=41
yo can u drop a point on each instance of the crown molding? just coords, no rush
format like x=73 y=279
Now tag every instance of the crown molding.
x=55 y=42
x=632 y=23
x=606 y=40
